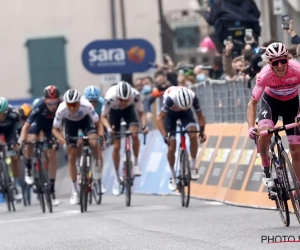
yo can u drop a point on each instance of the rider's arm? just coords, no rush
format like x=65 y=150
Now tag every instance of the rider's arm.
x=140 y=108
x=57 y=122
x=256 y=95
x=251 y=112
x=32 y=116
x=100 y=129
x=104 y=114
x=160 y=123
x=201 y=118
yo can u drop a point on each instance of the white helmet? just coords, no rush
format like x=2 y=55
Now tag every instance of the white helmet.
x=184 y=98
x=275 y=50
x=72 y=96
x=123 y=90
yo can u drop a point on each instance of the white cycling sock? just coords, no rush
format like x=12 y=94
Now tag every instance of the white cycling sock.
x=117 y=175
x=75 y=187
x=193 y=163
x=173 y=172
x=136 y=160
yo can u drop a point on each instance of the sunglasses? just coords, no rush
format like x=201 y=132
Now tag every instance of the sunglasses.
x=73 y=105
x=93 y=100
x=52 y=103
x=282 y=61
x=121 y=100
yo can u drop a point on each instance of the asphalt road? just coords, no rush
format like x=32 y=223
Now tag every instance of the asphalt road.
x=152 y=222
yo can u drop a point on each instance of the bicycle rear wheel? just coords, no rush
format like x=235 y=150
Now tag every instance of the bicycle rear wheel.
x=48 y=199
x=42 y=201
x=185 y=179
x=292 y=180
x=9 y=196
x=128 y=178
x=281 y=203
x=97 y=192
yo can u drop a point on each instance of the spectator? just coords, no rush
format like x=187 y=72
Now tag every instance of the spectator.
x=292 y=52
x=226 y=14
x=295 y=39
x=138 y=84
x=202 y=72
x=185 y=75
x=217 y=72
x=148 y=81
x=297 y=57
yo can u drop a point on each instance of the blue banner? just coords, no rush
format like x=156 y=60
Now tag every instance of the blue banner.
x=118 y=56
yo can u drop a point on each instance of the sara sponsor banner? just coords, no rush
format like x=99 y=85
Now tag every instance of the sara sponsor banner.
x=122 y=56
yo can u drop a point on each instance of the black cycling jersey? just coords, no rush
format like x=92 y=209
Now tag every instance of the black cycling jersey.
x=41 y=114
x=12 y=119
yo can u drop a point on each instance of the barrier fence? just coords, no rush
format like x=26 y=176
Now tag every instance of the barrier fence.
x=228 y=163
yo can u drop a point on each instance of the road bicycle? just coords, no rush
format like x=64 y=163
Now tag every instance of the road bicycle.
x=86 y=177
x=284 y=176
x=128 y=177
x=41 y=184
x=6 y=185
x=182 y=169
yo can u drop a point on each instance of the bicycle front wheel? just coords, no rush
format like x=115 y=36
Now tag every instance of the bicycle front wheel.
x=128 y=178
x=185 y=179
x=292 y=183
x=42 y=201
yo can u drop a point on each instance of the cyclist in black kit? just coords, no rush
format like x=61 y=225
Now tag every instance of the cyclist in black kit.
x=41 y=119
x=9 y=122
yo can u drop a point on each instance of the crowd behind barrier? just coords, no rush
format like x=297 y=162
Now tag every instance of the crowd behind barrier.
x=222 y=101
x=228 y=163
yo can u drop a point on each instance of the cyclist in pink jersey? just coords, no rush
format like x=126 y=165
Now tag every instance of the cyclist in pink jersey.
x=278 y=84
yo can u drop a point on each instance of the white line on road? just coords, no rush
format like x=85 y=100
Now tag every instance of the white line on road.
x=61 y=215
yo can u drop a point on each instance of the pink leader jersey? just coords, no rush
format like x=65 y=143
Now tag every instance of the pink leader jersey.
x=281 y=88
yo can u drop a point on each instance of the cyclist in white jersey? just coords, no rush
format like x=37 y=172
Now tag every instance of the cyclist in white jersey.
x=121 y=101
x=177 y=105
x=78 y=113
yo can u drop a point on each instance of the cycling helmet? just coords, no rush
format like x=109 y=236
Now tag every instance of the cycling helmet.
x=123 y=90
x=275 y=50
x=72 y=96
x=186 y=69
x=92 y=92
x=3 y=104
x=24 y=110
x=184 y=98
x=35 y=102
x=51 y=91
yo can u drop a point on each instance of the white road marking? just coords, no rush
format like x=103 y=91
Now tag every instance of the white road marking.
x=213 y=203
x=60 y=215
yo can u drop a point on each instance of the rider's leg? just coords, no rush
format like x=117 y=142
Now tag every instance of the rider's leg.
x=293 y=135
x=189 y=123
x=50 y=152
x=12 y=138
x=71 y=130
x=28 y=153
x=79 y=148
x=170 y=126
x=114 y=121
x=136 y=148
x=130 y=117
x=267 y=119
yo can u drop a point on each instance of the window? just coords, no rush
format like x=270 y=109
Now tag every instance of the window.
x=187 y=37
x=47 y=64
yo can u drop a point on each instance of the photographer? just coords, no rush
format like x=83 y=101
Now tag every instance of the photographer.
x=232 y=18
x=295 y=39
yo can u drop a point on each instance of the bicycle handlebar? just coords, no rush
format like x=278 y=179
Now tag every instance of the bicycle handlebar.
x=85 y=138
x=275 y=129
x=184 y=132
x=128 y=133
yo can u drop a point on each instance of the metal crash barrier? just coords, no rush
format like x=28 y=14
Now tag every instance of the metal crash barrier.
x=228 y=163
